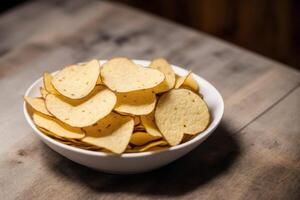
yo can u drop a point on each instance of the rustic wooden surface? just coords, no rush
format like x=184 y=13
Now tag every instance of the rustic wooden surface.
x=254 y=154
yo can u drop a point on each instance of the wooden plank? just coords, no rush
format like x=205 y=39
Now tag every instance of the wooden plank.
x=266 y=157
x=235 y=166
x=251 y=85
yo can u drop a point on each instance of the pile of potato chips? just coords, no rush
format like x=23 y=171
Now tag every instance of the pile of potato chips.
x=119 y=106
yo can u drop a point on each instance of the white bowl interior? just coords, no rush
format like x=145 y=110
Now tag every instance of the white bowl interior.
x=211 y=96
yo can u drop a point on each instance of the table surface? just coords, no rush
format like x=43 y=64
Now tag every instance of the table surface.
x=254 y=154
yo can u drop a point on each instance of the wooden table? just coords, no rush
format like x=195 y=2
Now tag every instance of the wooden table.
x=254 y=154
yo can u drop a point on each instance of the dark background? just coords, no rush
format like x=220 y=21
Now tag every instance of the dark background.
x=269 y=27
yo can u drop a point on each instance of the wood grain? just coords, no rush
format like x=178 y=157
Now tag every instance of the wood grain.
x=254 y=154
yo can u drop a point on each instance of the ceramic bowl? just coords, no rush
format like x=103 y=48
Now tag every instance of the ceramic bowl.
x=129 y=163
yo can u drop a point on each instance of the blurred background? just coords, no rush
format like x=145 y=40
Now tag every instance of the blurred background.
x=268 y=27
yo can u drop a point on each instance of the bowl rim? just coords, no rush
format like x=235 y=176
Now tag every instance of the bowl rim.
x=206 y=133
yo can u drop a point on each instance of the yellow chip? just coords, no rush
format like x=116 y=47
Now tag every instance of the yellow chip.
x=147 y=146
x=54 y=136
x=140 y=102
x=191 y=83
x=47 y=79
x=148 y=122
x=122 y=75
x=112 y=132
x=77 y=81
x=180 y=111
x=180 y=80
x=141 y=138
x=50 y=134
x=56 y=127
x=38 y=104
x=43 y=92
x=163 y=66
x=86 y=112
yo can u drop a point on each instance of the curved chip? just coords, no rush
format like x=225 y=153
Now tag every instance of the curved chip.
x=77 y=81
x=148 y=122
x=180 y=80
x=112 y=132
x=163 y=66
x=122 y=75
x=38 y=104
x=47 y=79
x=147 y=147
x=191 y=83
x=57 y=128
x=141 y=138
x=140 y=102
x=43 y=92
x=52 y=135
x=180 y=111
x=86 y=112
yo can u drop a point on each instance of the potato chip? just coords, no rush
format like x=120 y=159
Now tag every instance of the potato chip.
x=123 y=75
x=147 y=146
x=191 y=83
x=50 y=134
x=163 y=66
x=43 y=92
x=85 y=113
x=38 y=104
x=56 y=127
x=140 y=102
x=141 y=138
x=47 y=79
x=112 y=132
x=180 y=111
x=180 y=80
x=148 y=122
x=77 y=81
x=54 y=136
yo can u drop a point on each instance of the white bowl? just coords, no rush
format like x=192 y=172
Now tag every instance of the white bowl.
x=129 y=163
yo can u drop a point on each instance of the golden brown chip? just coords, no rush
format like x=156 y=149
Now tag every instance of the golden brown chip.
x=148 y=122
x=52 y=135
x=191 y=83
x=47 y=79
x=123 y=75
x=163 y=66
x=180 y=80
x=147 y=146
x=140 y=102
x=77 y=81
x=38 y=104
x=141 y=138
x=180 y=111
x=112 y=132
x=56 y=127
x=86 y=113
x=43 y=92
